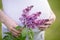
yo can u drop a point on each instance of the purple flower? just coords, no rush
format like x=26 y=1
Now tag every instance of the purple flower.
x=26 y=10
x=30 y=20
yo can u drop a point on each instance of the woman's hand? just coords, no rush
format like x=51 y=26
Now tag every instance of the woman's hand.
x=10 y=23
x=14 y=31
x=48 y=23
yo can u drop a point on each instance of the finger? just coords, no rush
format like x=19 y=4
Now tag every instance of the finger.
x=49 y=22
x=15 y=34
x=43 y=27
x=16 y=31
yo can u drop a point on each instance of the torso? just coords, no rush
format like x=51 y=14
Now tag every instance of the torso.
x=13 y=8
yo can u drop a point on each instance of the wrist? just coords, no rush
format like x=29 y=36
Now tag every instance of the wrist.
x=7 y=20
x=2 y=16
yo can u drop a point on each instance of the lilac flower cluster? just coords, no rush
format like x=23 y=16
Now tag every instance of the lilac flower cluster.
x=30 y=20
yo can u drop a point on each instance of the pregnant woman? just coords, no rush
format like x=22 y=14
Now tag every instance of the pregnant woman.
x=12 y=11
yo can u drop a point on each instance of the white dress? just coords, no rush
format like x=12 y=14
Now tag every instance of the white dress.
x=13 y=9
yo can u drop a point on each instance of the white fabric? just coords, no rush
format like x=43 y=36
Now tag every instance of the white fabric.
x=13 y=9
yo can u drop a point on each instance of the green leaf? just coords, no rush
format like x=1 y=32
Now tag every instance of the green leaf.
x=8 y=37
x=24 y=32
x=22 y=36
x=31 y=34
x=18 y=27
x=9 y=33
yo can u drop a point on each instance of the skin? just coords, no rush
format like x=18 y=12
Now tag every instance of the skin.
x=48 y=23
x=11 y=24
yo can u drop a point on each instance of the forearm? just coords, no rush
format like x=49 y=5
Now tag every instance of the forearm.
x=6 y=20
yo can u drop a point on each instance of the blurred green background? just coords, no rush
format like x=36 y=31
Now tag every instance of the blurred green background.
x=52 y=33
x=0 y=23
